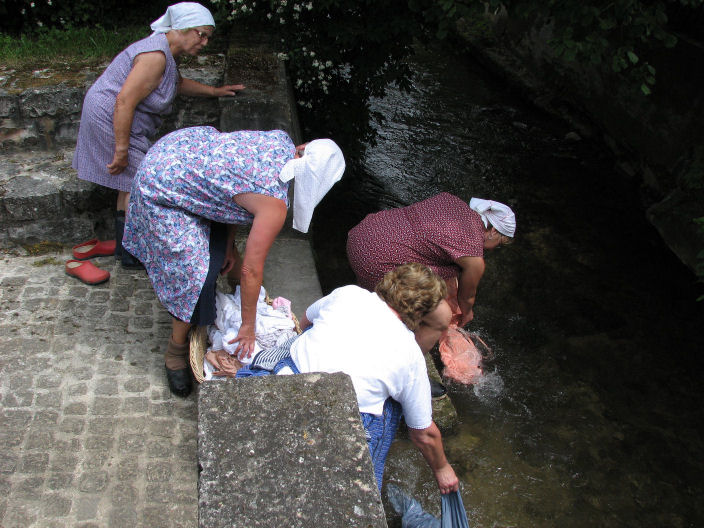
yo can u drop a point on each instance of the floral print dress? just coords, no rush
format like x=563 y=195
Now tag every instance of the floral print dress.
x=188 y=179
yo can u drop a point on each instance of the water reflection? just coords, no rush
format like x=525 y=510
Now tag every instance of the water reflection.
x=591 y=410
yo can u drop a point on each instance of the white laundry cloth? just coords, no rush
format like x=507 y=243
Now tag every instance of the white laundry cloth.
x=495 y=213
x=321 y=166
x=181 y=16
x=273 y=327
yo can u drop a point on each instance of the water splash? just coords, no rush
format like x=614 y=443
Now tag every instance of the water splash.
x=488 y=387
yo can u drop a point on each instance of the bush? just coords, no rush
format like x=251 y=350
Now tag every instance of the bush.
x=25 y=17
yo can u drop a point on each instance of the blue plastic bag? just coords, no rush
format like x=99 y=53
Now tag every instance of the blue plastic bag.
x=453 y=514
x=414 y=516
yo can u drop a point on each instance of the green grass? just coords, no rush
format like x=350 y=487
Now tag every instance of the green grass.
x=76 y=43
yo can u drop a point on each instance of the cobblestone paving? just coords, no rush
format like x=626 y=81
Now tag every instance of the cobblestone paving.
x=89 y=433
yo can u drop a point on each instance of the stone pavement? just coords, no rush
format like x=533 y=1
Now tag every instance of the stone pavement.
x=90 y=434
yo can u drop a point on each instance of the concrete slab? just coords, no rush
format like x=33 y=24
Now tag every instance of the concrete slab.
x=267 y=103
x=284 y=451
x=290 y=272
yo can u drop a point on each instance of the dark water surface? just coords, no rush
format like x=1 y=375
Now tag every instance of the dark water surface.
x=591 y=412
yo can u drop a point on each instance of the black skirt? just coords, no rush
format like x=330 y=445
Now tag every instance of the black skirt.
x=205 y=312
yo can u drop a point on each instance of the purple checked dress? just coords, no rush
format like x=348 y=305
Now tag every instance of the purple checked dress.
x=188 y=179
x=95 y=147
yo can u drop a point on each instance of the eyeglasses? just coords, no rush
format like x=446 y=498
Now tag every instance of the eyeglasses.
x=202 y=34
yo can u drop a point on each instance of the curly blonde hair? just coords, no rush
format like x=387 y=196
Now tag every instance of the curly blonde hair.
x=413 y=290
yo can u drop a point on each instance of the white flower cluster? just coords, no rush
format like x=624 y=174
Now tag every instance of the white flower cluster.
x=320 y=72
x=241 y=7
x=313 y=73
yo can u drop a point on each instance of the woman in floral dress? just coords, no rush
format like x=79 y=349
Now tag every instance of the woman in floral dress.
x=124 y=107
x=193 y=187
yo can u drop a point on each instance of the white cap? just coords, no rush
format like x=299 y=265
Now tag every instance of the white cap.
x=321 y=166
x=500 y=216
x=181 y=16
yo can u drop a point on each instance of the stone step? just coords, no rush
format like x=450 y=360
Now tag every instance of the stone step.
x=41 y=198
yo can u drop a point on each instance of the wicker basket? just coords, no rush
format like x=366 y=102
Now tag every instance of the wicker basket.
x=199 y=344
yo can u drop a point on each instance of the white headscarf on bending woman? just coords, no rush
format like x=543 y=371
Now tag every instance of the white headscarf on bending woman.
x=500 y=216
x=181 y=16
x=321 y=166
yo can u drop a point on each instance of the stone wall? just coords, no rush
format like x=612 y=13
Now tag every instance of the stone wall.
x=42 y=109
x=41 y=199
x=657 y=139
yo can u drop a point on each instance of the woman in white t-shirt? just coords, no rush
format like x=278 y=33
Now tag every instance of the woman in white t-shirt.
x=369 y=336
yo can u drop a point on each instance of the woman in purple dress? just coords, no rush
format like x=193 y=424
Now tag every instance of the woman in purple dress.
x=123 y=108
x=193 y=188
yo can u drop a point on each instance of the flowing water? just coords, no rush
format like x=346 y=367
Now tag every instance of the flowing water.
x=591 y=410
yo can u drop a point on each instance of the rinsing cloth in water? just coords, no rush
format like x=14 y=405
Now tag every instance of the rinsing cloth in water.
x=458 y=353
x=414 y=516
x=460 y=356
x=379 y=430
x=435 y=232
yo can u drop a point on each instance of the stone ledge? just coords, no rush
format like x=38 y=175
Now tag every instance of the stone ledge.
x=267 y=103
x=46 y=115
x=284 y=451
x=41 y=199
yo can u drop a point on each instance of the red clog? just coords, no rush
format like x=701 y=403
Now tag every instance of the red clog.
x=94 y=248
x=86 y=272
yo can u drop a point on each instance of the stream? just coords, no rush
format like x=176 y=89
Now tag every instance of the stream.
x=591 y=411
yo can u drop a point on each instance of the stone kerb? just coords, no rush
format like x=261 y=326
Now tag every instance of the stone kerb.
x=43 y=200
x=284 y=451
x=267 y=103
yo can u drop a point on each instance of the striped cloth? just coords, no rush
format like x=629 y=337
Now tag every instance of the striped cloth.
x=269 y=359
x=379 y=430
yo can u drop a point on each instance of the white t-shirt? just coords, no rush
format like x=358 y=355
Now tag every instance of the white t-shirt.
x=356 y=332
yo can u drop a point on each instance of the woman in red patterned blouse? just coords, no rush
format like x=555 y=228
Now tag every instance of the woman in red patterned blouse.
x=444 y=232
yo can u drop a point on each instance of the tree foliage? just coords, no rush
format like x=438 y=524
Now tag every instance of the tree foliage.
x=346 y=50
x=617 y=34
x=26 y=17
x=360 y=46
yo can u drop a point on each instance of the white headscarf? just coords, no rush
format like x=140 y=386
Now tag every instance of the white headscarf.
x=181 y=16
x=315 y=173
x=497 y=214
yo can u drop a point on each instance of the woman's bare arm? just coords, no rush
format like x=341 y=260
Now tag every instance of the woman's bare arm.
x=197 y=89
x=429 y=443
x=147 y=71
x=269 y=216
x=471 y=274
